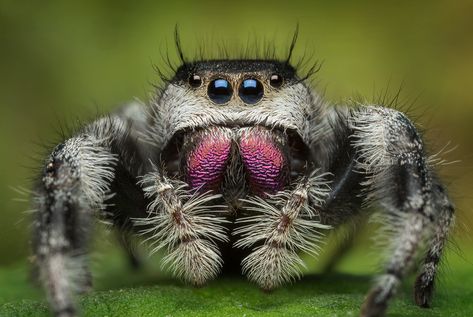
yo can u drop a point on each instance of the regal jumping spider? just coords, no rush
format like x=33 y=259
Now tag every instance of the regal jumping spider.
x=240 y=164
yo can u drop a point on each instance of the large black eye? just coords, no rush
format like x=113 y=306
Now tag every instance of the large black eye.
x=195 y=81
x=251 y=91
x=275 y=80
x=220 y=91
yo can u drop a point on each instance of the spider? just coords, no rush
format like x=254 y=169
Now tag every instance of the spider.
x=240 y=164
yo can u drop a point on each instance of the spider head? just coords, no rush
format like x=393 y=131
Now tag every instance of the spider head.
x=236 y=94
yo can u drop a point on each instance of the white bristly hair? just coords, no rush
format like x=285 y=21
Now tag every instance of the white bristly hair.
x=286 y=223
x=187 y=225
x=89 y=169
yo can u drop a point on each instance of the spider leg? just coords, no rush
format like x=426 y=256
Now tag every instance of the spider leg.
x=187 y=224
x=284 y=224
x=74 y=185
x=391 y=152
x=424 y=285
x=333 y=151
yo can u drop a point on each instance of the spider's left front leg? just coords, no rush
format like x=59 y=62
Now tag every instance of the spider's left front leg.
x=285 y=224
x=390 y=151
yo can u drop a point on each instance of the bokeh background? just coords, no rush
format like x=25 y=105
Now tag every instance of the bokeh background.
x=62 y=61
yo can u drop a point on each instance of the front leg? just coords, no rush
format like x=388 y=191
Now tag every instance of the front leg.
x=425 y=281
x=391 y=153
x=185 y=223
x=285 y=224
x=75 y=182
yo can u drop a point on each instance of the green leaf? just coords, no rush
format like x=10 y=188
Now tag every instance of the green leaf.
x=148 y=292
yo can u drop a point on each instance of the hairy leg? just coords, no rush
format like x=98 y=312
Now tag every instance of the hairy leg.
x=334 y=151
x=391 y=152
x=411 y=234
x=74 y=185
x=187 y=224
x=284 y=224
x=424 y=285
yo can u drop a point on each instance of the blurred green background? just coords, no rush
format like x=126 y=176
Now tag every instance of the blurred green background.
x=60 y=61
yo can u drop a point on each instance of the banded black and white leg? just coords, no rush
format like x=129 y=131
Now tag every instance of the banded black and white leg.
x=187 y=224
x=283 y=225
x=391 y=153
x=73 y=188
x=425 y=281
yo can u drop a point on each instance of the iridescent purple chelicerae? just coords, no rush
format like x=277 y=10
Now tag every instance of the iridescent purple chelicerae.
x=265 y=165
x=207 y=161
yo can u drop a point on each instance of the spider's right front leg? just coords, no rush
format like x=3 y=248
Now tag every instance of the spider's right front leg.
x=75 y=182
x=187 y=224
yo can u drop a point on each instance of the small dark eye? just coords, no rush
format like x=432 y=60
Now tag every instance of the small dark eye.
x=195 y=81
x=220 y=91
x=251 y=91
x=275 y=80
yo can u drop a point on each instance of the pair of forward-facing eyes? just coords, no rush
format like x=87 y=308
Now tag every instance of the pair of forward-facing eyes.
x=250 y=90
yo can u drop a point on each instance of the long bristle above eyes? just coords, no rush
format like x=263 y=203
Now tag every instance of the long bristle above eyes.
x=254 y=47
